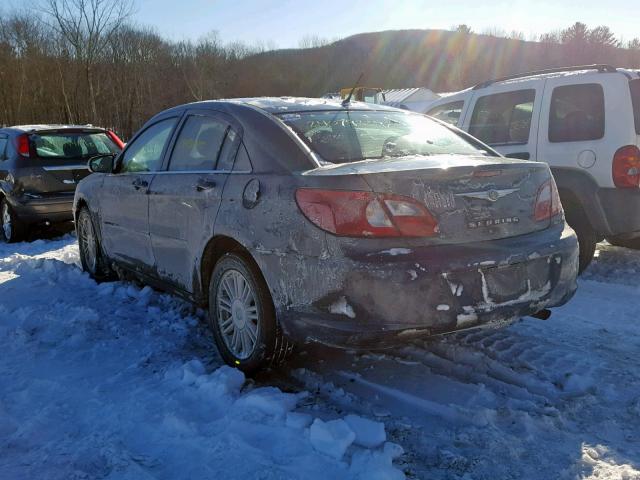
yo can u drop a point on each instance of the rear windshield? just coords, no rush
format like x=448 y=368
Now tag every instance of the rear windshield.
x=72 y=145
x=635 y=99
x=347 y=136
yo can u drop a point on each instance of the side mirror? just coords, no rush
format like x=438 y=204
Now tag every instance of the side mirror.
x=101 y=163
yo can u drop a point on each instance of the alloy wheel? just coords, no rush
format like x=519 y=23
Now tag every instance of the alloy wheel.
x=237 y=313
x=6 y=221
x=88 y=242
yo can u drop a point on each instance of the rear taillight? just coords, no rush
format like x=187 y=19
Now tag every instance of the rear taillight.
x=626 y=167
x=366 y=214
x=22 y=144
x=548 y=201
x=115 y=139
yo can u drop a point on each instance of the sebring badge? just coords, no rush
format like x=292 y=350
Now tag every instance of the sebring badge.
x=490 y=195
x=492 y=221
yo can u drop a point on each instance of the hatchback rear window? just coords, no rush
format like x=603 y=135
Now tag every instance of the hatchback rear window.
x=63 y=145
x=345 y=136
x=635 y=99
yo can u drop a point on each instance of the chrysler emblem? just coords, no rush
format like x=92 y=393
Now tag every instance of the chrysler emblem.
x=491 y=195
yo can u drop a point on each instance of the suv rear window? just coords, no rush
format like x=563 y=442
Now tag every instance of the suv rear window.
x=449 y=112
x=66 y=145
x=635 y=99
x=503 y=118
x=577 y=113
x=346 y=136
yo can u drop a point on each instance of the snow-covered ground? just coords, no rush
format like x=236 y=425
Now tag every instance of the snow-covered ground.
x=120 y=382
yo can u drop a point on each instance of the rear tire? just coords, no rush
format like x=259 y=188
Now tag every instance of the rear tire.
x=587 y=237
x=91 y=256
x=12 y=229
x=242 y=316
x=633 y=244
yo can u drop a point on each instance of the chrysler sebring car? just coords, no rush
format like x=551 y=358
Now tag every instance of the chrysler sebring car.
x=299 y=220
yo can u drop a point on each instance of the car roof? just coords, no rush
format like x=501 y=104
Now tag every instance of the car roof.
x=52 y=126
x=276 y=105
x=597 y=72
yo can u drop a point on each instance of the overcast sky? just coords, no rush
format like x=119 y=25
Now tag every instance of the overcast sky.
x=285 y=22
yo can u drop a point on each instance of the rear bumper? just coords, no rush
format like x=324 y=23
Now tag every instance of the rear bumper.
x=621 y=207
x=382 y=300
x=49 y=208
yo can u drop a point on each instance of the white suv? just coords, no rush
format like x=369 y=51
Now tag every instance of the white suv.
x=584 y=122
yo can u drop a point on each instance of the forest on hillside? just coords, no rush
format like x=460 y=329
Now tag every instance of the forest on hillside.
x=82 y=61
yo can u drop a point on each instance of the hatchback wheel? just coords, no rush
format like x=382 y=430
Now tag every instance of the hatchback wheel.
x=91 y=257
x=12 y=229
x=242 y=316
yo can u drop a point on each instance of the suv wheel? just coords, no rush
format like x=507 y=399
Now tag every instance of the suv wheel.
x=12 y=229
x=91 y=257
x=587 y=237
x=242 y=316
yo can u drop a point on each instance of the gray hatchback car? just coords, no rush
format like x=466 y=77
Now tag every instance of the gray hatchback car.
x=40 y=166
x=354 y=225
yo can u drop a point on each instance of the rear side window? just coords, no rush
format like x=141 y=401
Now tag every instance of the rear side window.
x=503 y=118
x=67 y=145
x=144 y=154
x=635 y=100
x=198 y=144
x=577 y=113
x=449 y=112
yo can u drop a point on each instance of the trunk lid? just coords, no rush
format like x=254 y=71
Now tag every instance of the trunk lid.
x=473 y=198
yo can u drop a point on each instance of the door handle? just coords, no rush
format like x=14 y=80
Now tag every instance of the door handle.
x=204 y=185
x=138 y=183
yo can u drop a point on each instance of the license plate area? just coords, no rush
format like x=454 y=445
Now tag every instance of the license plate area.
x=510 y=282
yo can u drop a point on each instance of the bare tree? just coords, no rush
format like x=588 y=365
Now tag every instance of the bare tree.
x=87 y=26
x=603 y=37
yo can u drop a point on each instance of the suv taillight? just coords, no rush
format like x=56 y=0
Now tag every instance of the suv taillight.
x=22 y=144
x=626 y=167
x=548 y=203
x=366 y=214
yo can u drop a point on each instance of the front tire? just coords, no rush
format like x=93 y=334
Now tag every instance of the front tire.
x=242 y=316
x=91 y=256
x=12 y=229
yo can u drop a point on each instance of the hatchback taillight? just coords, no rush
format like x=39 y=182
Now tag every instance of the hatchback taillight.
x=22 y=144
x=366 y=214
x=626 y=167
x=115 y=139
x=548 y=203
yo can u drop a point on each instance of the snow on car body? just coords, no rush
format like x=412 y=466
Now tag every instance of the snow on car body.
x=352 y=225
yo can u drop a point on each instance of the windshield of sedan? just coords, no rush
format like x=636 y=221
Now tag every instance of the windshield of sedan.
x=348 y=136
x=69 y=145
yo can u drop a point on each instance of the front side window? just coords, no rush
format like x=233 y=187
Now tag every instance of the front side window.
x=198 y=145
x=503 y=118
x=577 y=113
x=3 y=148
x=67 y=145
x=634 y=85
x=144 y=154
x=344 y=136
x=449 y=112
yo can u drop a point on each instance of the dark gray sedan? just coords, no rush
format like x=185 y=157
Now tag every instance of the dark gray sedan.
x=298 y=220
